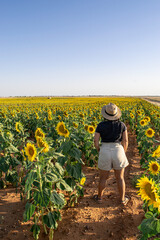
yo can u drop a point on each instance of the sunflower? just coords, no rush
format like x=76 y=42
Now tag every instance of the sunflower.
x=139 y=112
x=156 y=153
x=59 y=117
x=82 y=181
x=148 y=190
x=39 y=133
x=61 y=129
x=131 y=115
x=143 y=122
x=150 y=132
x=37 y=117
x=42 y=144
x=49 y=117
x=91 y=129
x=19 y=127
x=86 y=127
x=81 y=115
x=75 y=125
x=154 y=167
x=147 y=119
x=30 y=151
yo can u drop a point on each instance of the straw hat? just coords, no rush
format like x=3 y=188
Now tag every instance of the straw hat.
x=111 y=112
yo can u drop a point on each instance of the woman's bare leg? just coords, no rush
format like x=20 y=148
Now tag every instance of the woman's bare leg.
x=102 y=182
x=119 y=174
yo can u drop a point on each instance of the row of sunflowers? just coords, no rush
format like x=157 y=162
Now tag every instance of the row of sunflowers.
x=46 y=141
x=146 y=123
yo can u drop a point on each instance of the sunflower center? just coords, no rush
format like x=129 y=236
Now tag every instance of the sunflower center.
x=62 y=129
x=149 y=192
x=149 y=132
x=31 y=151
x=155 y=167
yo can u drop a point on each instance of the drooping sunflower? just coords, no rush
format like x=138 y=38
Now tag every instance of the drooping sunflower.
x=150 y=132
x=154 y=167
x=91 y=129
x=148 y=191
x=156 y=153
x=39 y=133
x=30 y=151
x=42 y=144
x=82 y=181
x=19 y=127
x=61 y=129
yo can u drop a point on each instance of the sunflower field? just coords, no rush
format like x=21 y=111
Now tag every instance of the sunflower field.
x=46 y=142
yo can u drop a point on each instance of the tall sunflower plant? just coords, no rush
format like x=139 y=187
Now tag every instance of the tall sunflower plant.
x=44 y=186
x=72 y=162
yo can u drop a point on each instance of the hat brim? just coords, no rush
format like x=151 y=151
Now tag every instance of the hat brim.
x=115 y=117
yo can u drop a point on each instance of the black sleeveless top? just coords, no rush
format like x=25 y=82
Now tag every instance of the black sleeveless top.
x=111 y=131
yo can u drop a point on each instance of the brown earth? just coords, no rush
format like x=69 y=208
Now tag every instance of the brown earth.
x=88 y=220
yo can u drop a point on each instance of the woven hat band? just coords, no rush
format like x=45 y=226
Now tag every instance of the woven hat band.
x=110 y=114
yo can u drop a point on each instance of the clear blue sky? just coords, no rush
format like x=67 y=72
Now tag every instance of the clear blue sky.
x=79 y=47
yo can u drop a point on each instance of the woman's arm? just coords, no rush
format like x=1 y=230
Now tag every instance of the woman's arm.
x=96 y=141
x=125 y=140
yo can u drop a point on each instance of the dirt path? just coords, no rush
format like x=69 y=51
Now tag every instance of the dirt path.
x=88 y=220
x=157 y=103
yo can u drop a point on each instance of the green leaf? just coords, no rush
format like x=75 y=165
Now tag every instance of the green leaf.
x=66 y=147
x=59 y=168
x=149 y=214
x=74 y=170
x=42 y=198
x=51 y=219
x=30 y=179
x=64 y=186
x=50 y=177
x=4 y=164
x=29 y=210
x=158 y=226
x=36 y=230
x=57 y=199
x=75 y=153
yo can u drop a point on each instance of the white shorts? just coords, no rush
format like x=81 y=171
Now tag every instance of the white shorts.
x=112 y=155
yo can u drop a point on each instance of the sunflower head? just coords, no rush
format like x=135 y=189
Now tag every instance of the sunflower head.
x=91 y=129
x=154 y=167
x=42 y=144
x=150 y=132
x=143 y=122
x=39 y=133
x=30 y=151
x=61 y=129
x=156 y=153
x=19 y=127
x=82 y=181
x=131 y=115
x=49 y=117
x=86 y=127
x=148 y=191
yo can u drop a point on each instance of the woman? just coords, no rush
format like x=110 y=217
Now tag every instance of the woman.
x=114 y=138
